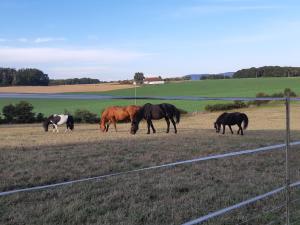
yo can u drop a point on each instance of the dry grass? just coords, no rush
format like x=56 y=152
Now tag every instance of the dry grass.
x=166 y=196
x=65 y=88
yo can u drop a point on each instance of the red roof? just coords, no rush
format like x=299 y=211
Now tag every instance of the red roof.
x=152 y=79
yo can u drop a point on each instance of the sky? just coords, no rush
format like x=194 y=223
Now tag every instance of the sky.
x=113 y=39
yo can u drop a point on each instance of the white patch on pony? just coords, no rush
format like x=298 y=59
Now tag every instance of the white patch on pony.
x=63 y=119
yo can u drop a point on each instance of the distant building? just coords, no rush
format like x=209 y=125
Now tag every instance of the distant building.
x=153 y=80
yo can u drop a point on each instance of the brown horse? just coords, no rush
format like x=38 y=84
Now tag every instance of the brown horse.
x=113 y=114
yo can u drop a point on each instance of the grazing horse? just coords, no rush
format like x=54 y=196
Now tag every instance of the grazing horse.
x=113 y=114
x=151 y=112
x=231 y=119
x=56 y=120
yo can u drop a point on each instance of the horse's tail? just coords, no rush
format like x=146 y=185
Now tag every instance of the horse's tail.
x=246 y=121
x=177 y=114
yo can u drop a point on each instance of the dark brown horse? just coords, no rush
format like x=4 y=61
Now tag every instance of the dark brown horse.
x=151 y=112
x=114 y=114
x=230 y=119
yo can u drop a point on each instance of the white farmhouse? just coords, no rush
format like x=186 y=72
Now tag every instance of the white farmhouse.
x=153 y=80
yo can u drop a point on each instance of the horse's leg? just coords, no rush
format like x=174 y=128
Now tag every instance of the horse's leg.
x=168 y=124
x=223 y=129
x=106 y=127
x=153 y=129
x=67 y=125
x=148 y=126
x=115 y=125
x=56 y=128
x=241 y=129
x=230 y=129
x=174 y=125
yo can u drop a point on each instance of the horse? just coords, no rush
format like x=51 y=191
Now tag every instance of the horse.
x=56 y=120
x=113 y=114
x=151 y=112
x=230 y=119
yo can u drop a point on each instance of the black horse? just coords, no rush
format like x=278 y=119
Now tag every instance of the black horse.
x=56 y=120
x=231 y=119
x=151 y=112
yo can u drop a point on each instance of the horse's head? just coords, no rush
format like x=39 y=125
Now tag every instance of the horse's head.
x=217 y=126
x=102 y=124
x=46 y=125
x=134 y=126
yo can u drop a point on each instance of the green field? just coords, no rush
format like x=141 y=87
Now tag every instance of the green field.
x=209 y=88
x=216 y=88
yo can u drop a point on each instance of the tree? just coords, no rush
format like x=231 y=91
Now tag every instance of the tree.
x=19 y=113
x=31 y=77
x=8 y=112
x=139 y=77
x=23 y=112
x=6 y=76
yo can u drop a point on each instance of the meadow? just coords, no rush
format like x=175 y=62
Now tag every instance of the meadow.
x=31 y=157
x=209 y=88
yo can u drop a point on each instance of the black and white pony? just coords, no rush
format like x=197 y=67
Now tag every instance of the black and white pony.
x=56 y=120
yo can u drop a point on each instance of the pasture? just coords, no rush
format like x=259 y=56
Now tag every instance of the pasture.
x=31 y=157
x=208 y=88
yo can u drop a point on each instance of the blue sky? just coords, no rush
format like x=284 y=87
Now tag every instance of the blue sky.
x=113 y=39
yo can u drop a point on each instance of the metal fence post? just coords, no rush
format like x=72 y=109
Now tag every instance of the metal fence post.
x=287 y=168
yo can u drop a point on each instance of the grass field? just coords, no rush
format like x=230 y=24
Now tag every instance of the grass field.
x=210 y=88
x=166 y=196
x=216 y=88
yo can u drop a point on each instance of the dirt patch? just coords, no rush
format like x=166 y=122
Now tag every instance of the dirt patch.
x=65 y=88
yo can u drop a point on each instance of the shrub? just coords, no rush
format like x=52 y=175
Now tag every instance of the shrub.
x=19 y=113
x=23 y=112
x=227 y=106
x=85 y=116
x=8 y=112
x=40 y=117
x=260 y=102
x=288 y=91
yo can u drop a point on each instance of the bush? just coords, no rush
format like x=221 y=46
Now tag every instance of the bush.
x=224 y=107
x=40 y=117
x=85 y=116
x=288 y=91
x=20 y=113
x=260 y=102
x=23 y=113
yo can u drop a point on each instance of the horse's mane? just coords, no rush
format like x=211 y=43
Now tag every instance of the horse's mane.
x=221 y=116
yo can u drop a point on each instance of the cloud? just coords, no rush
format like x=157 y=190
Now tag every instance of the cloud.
x=22 y=40
x=48 y=39
x=3 y=40
x=93 y=37
x=61 y=55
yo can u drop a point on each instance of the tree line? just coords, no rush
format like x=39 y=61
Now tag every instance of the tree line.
x=13 y=77
x=268 y=71
x=36 y=77
x=71 y=81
